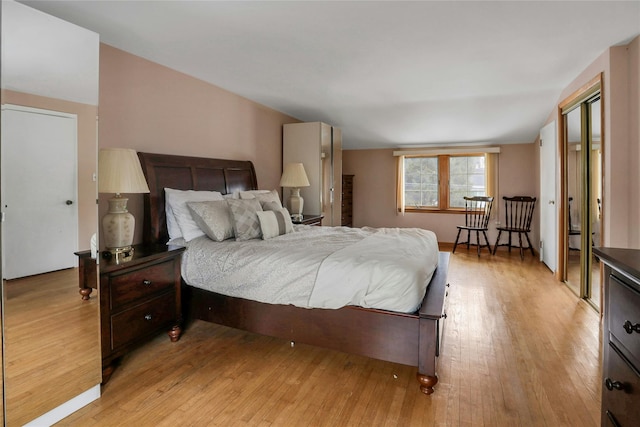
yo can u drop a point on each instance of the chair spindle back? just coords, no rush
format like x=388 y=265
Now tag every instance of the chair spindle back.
x=477 y=211
x=519 y=212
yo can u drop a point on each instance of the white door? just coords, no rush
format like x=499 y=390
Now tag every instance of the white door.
x=39 y=191
x=548 y=206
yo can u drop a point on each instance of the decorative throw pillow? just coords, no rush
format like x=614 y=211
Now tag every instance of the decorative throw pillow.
x=246 y=225
x=275 y=223
x=270 y=197
x=250 y=194
x=271 y=206
x=214 y=218
x=176 y=203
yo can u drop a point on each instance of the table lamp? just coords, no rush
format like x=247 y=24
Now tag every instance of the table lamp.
x=119 y=172
x=294 y=177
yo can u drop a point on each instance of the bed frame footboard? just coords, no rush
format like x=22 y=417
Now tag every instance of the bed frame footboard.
x=409 y=339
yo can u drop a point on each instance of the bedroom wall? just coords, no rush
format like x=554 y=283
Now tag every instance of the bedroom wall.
x=374 y=192
x=152 y=108
x=620 y=66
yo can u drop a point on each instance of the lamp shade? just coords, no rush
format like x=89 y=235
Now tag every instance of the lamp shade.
x=119 y=171
x=294 y=176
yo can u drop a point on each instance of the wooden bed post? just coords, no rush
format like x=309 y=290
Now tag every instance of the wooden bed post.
x=426 y=374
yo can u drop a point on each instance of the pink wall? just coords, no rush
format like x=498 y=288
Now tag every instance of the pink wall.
x=152 y=108
x=620 y=66
x=87 y=212
x=634 y=138
x=374 y=202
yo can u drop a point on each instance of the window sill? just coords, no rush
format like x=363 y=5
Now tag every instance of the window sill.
x=434 y=210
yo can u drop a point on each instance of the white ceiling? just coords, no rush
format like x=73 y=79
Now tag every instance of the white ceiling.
x=390 y=74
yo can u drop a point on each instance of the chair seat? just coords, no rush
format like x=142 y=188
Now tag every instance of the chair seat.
x=513 y=229
x=465 y=227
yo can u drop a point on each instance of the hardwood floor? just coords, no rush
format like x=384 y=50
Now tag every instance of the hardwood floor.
x=519 y=349
x=50 y=335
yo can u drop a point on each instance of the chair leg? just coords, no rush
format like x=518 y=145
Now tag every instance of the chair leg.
x=486 y=240
x=509 y=241
x=456 y=243
x=530 y=245
x=520 y=242
x=468 y=238
x=495 y=247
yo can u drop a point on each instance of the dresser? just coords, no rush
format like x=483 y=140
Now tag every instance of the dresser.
x=139 y=297
x=347 y=200
x=621 y=337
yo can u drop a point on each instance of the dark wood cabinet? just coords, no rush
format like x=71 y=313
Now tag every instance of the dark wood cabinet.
x=621 y=339
x=139 y=297
x=347 y=200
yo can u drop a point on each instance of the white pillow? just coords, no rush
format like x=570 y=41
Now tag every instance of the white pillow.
x=263 y=196
x=251 y=194
x=214 y=218
x=271 y=206
x=176 y=204
x=274 y=223
x=246 y=225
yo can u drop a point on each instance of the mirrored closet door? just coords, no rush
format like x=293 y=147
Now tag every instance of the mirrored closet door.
x=48 y=165
x=581 y=120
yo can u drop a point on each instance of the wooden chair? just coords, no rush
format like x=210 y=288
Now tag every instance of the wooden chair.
x=477 y=211
x=518 y=212
x=573 y=231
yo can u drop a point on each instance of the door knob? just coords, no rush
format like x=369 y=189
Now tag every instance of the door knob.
x=69 y=202
x=552 y=202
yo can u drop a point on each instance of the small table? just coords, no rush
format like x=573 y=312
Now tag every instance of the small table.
x=310 y=220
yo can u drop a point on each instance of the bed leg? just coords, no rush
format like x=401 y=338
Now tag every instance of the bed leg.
x=426 y=382
x=174 y=333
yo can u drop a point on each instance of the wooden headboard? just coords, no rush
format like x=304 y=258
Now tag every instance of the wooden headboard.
x=187 y=173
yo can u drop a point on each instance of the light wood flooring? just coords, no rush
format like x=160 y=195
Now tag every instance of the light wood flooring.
x=50 y=335
x=519 y=350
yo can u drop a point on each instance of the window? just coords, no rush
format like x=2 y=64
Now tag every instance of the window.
x=466 y=178
x=421 y=182
x=439 y=182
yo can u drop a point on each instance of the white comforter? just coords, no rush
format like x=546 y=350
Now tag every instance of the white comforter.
x=319 y=267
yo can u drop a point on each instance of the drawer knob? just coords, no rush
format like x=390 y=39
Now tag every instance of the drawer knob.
x=610 y=384
x=631 y=328
x=147 y=317
x=146 y=282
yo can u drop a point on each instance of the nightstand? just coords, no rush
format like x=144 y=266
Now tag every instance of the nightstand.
x=139 y=297
x=310 y=220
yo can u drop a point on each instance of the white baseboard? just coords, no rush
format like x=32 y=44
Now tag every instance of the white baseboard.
x=67 y=408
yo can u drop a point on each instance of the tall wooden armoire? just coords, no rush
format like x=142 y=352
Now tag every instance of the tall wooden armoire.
x=318 y=146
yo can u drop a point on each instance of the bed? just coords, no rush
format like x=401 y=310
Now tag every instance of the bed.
x=411 y=339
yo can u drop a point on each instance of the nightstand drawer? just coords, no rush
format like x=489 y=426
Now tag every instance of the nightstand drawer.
x=620 y=390
x=141 y=320
x=624 y=315
x=137 y=284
